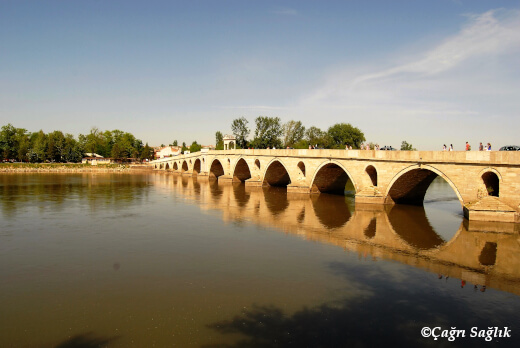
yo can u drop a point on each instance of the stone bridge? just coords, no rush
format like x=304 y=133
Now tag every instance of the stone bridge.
x=487 y=183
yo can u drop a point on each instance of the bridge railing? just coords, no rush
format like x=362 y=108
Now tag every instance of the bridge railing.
x=488 y=157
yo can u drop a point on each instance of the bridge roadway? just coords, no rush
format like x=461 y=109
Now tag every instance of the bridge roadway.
x=487 y=183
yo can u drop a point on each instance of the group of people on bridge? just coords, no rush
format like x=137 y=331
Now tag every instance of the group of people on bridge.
x=468 y=147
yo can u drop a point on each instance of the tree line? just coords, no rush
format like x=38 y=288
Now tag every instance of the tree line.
x=271 y=133
x=24 y=146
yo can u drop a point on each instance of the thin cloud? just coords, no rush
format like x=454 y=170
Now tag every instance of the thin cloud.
x=484 y=35
x=457 y=85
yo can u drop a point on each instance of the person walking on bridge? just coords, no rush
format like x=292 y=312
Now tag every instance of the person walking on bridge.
x=468 y=146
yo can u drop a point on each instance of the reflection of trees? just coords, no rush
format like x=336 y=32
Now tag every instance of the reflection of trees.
x=56 y=190
x=392 y=313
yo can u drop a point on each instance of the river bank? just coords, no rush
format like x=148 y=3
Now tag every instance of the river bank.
x=69 y=168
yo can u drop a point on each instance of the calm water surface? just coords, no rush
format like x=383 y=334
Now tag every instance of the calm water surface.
x=160 y=260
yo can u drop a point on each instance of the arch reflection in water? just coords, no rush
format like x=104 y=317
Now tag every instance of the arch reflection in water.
x=275 y=199
x=412 y=225
x=241 y=195
x=400 y=233
x=331 y=210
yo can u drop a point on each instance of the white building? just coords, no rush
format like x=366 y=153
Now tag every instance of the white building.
x=229 y=142
x=168 y=151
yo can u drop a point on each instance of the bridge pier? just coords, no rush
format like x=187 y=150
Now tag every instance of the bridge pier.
x=253 y=183
x=490 y=209
x=370 y=195
x=225 y=178
x=298 y=189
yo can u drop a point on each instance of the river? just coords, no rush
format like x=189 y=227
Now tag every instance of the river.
x=162 y=260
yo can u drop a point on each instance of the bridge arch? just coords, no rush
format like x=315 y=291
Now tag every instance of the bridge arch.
x=276 y=174
x=167 y=166
x=196 y=166
x=491 y=179
x=372 y=174
x=409 y=186
x=184 y=166
x=331 y=177
x=241 y=172
x=301 y=166
x=216 y=169
x=175 y=166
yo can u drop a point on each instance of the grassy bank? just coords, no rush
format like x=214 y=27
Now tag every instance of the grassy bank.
x=61 y=167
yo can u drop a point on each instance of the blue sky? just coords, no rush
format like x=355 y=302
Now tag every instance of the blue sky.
x=428 y=72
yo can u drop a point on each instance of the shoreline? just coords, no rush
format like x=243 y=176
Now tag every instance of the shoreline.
x=10 y=168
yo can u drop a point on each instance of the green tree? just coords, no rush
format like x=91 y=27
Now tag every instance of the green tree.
x=184 y=148
x=55 y=146
x=8 y=142
x=240 y=131
x=24 y=144
x=93 y=142
x=39 y=147
x=137 y=148
x=195 y=147
x=293 y=133
x=146 y=152
x=73 y=151
x=342 y=134
x=267 y=133
x=219 y=141
x=107 y=142
x=175 y=143
x=407 y=147
x=117 y=151
x=316 y=136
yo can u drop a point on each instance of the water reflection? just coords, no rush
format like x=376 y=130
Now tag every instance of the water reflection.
x=389 y=313
x=412 y=225
x=163 y=272
x=87 y=340
x=331 y=210
x=54 y=191
x=400 y=233
x=275 y=200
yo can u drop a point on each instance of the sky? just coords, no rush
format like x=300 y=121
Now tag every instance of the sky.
x=426 y=72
